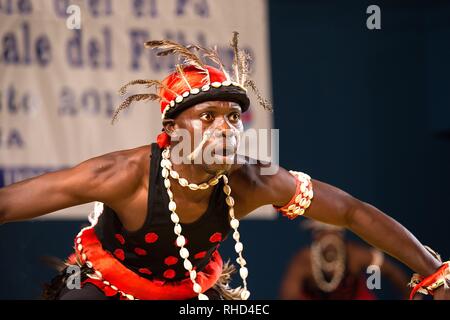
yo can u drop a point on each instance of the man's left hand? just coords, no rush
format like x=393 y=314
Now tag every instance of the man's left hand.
x=443 y=292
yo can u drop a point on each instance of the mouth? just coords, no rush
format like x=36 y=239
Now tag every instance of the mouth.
x=224 y=155
x=227 y=152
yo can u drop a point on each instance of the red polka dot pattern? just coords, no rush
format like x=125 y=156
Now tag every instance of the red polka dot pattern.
x=169 y=273
x=140 y=252
x=200 y=255
x=119 y=254
x=151 y=237
x=145 y=271
x=120 y=238
x=170 y=260
x=216 y=237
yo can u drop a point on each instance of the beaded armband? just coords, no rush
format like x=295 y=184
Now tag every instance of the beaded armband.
x=302 y=198
x=427 y=285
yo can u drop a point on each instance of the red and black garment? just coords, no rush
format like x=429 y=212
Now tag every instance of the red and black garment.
x=145 y=264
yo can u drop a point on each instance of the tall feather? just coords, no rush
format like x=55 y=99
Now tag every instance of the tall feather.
x=182 y=75
x=149 y=83
x=171 y=47
x=236 y=63
x=262 y=101
x=136 y=97
x=244 y=59
x=213 y=55
x=159 y=84
x=123 y=90
x=206 y=79
x=195 y=47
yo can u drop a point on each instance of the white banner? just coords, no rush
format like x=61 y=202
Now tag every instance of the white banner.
x=62 y=61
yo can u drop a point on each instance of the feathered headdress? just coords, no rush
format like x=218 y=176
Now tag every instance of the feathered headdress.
x=194 y=82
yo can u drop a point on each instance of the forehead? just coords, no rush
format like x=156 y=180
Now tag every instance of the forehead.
x=223 y=107
x=219 y=105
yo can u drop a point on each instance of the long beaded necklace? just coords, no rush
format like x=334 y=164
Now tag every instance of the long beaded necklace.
x=167 y=170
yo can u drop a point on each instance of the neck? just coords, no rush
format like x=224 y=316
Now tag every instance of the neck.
x=193 y=173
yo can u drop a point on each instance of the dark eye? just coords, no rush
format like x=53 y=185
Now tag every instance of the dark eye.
x=235 y=116
x=207 y=116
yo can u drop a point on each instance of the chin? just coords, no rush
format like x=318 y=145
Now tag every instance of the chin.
x=223 y=164
x=217 y=168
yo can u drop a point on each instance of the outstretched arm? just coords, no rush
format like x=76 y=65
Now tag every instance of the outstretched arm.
x=331 y=205
x=91 y=180
x=334 y=206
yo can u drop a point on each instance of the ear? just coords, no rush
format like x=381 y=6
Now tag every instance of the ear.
x=169 y=126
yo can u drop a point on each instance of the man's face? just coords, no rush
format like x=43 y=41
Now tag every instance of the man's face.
x=219 y=124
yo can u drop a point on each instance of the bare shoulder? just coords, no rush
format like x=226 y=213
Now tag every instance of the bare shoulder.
x=246 y=177
x=119 y=173
x=257 y=183
x=266 y=177
x=248 y=171
x=122 y=162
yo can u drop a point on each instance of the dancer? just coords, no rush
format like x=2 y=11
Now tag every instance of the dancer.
x=160 y=214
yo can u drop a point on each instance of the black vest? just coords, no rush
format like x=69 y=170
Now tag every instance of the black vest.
x=151 y=251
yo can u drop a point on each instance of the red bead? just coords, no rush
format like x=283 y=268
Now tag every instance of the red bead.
x=216 y=237
x=200 y=255
x=170 y=260
x=169 y=274
x=151 y=237
x=120 y=254
x=145 y=270
x=119 y=238
x=140 y=252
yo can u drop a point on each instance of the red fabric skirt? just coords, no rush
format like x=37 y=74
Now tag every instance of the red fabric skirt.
x=112 y=277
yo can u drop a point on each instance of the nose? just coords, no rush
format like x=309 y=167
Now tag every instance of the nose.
x=223 y=133
x=223 y=129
